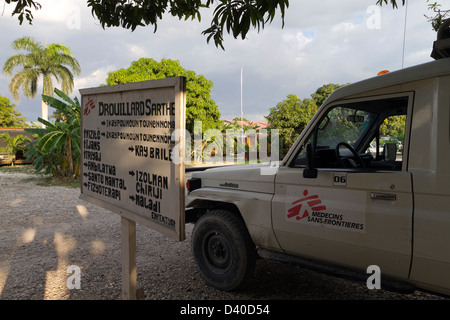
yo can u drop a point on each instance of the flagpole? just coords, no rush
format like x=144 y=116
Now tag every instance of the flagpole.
x=404 y=33
x=242 y=80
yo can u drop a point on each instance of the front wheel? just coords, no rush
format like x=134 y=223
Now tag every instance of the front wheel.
x=223 y=249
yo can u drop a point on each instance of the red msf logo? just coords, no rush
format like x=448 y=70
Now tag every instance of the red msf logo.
x=89 y=105
x=302 y=207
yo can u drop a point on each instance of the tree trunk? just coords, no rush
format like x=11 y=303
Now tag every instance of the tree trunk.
x=68 y=156
x=44 y=110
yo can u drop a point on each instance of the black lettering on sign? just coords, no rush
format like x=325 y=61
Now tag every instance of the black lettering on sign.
x=91 y=145
x=152 y=179
x=101 y=167
x=91 y=134
x=151 y=152
x=95 y=177
x=136 y=108
x=149 y=190
x=92 y=155
x=141 y=151
x=146 y=203
x=115 y=182
x=102 y=190
x=168 y=222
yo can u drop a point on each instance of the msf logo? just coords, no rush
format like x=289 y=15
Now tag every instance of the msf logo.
x=302 y=208
x=88 y=107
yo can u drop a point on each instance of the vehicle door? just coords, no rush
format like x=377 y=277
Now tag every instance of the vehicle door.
x=342 y=198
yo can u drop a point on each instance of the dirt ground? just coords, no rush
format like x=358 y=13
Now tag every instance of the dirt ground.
x=46 y=232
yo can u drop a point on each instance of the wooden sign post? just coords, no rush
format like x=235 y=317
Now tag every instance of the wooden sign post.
x=128 y=150
x=129 y=278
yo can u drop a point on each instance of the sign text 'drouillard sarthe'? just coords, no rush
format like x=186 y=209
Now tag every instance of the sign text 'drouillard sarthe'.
x=126 y=151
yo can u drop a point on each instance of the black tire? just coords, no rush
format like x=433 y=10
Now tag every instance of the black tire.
x=223 y=250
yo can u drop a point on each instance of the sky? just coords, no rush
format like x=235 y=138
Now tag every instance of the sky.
x=334 y=42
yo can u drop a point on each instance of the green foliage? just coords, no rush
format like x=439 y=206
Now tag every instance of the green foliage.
x=13 y=145
x=290 y=117
x=22 y=9
x=237 y=126
x=199 y=105
x=323 y=92
x=237 y=17
x=57 y=148
x=336 y=127
x=9 y=117
x=394 y=127
x=439 y=17
x=393 y=2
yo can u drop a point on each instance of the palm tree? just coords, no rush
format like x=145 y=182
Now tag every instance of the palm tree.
x=52 y=61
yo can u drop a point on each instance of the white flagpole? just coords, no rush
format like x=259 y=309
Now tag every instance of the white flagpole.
x=242 y=80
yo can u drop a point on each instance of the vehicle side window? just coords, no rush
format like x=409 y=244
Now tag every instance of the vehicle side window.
x=391 y=140
x=363 y=135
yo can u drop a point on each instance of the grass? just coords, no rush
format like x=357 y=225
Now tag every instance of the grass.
x=28 y=169
x=38 y=178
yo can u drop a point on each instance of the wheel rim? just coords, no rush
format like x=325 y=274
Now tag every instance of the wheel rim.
x=218 y=253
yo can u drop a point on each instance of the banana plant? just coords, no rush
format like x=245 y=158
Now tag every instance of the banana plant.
x=57 y=147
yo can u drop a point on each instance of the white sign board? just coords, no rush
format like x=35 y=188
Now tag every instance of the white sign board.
x=126 y=151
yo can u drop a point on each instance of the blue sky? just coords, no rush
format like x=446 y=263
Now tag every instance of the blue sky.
x=334 y=42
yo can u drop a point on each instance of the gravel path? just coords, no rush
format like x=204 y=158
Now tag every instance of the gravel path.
x=44 y=230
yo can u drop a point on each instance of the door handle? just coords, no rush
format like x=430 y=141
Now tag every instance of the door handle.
x=383 y=196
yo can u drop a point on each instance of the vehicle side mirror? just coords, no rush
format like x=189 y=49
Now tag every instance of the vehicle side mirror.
x=309 y=172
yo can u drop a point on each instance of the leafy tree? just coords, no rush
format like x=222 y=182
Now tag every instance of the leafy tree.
x=54 y=61
x=13 y=145
x=290 y=117
x=199 y=105
x=394 y=126
x=9 y=117
x=22 y=9
x=57 y=149
x=236 y=17
x=249 y=125
x=323 y=92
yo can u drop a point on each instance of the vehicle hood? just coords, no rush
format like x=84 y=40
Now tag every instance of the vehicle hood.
x=250 y=177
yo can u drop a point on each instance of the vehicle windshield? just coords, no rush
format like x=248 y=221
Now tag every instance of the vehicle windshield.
x=343 y=124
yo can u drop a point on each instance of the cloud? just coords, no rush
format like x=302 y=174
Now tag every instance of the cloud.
x=137 y=52
x=93 y=79
x=327 y=42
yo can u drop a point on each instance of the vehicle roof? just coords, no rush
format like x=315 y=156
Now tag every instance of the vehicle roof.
x=427 y=70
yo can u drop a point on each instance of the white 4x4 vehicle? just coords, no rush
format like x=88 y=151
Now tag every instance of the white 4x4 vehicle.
x=334 y=205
